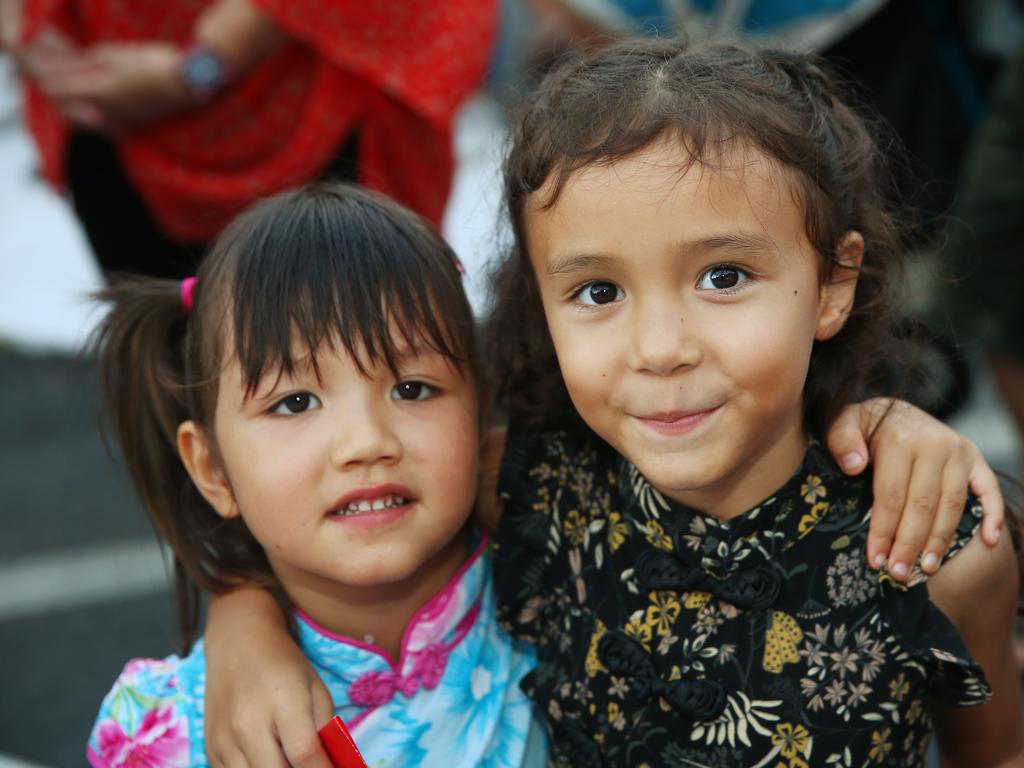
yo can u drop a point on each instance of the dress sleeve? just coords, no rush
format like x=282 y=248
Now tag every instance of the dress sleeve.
x=925 y=633
x=142 y=721
x=430 y=55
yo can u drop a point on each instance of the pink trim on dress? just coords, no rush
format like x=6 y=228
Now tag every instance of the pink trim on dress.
x=378 y=688
x=444 y=595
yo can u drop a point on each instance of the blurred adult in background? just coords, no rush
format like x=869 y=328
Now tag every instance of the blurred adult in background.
x=165 y=119
x=985 y=302
x=912 y=60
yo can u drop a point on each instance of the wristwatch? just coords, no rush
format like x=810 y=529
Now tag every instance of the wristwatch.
x=203 y=70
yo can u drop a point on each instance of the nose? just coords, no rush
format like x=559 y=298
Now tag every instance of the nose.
x=364 y=434
x=663 y=341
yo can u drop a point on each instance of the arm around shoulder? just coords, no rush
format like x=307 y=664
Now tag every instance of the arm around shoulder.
x=977 y=590
x=262 y=696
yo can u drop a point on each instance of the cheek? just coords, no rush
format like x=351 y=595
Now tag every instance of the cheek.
x=771 y=355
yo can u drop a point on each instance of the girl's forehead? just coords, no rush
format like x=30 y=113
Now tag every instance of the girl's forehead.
x=733 y=171
x=665 y=187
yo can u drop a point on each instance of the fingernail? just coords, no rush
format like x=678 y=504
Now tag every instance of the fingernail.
x=879 y=561
x=999 y=531
x=852 y=461
x=899 y=570
x=929 y=561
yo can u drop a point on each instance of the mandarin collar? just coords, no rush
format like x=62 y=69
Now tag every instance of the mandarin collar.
x=447 y=614
x=789 y=513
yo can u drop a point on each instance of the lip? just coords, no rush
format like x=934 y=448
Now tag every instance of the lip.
x=372 y=518
x=677 y=422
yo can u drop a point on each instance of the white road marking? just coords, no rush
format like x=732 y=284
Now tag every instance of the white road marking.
x=59 y=579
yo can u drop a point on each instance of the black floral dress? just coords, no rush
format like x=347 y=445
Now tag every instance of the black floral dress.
x=667 y=637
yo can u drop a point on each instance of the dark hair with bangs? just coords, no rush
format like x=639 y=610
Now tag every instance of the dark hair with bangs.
x=327 y=264
x=608 y=105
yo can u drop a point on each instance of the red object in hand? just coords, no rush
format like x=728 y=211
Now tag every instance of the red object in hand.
x=340 y=746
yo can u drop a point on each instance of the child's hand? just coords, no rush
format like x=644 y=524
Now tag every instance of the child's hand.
x=922 y=472
x=264 y=702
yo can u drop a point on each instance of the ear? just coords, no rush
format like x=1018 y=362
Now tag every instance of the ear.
x=196 y=453
x=835 y=297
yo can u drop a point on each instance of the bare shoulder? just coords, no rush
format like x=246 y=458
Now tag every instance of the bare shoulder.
x=978 y=582
x=488 y=504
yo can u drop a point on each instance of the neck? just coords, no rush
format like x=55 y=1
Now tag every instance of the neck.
x=762 y=472
x=378 y=614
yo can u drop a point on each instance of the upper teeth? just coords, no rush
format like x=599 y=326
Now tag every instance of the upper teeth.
x=365 y=505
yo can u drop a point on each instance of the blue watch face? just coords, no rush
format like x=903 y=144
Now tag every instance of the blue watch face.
x=203 y=70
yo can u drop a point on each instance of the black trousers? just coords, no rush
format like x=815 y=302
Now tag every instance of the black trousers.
x=122 y=232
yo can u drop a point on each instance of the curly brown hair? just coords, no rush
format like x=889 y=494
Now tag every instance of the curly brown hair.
x=602 y=107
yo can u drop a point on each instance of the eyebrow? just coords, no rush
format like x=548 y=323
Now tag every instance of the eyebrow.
x=577 y=262
x=743 y=242
x=751 y=243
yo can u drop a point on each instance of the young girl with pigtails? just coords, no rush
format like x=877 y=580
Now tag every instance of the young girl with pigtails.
x=304 y=415
x=704 y=275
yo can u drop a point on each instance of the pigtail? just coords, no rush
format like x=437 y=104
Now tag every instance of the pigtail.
x=141 y=347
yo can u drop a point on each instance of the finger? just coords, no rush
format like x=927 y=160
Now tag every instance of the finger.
x=262 y=750
x=889 y=488
x=985 y=485
x=83 y=113
x=297 y=731
x=230 y=757
x=916 y=516
x=847 y=440
x=950 y=510
x=72 y=81
x=323 y=706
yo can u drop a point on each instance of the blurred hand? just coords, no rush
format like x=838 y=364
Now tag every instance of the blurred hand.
x=110 y=87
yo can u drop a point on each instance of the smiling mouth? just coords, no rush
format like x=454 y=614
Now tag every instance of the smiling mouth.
x=379 y=504
x=677 y=422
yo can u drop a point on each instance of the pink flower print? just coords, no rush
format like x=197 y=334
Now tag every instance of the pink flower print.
x=161 y=741
x=373 y=689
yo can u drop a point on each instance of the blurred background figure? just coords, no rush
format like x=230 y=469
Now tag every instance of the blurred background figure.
x=984 y=303
x=923 y=65
x=164 y=120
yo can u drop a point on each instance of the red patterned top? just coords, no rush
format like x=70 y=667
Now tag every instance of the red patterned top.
x=394 y=71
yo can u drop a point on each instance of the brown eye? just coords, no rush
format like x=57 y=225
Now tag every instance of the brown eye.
x=600 y=293
x=412 y=390
x=722 y=277
x=300 y=402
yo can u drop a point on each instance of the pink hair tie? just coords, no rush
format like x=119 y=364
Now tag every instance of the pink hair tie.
x=188 y=288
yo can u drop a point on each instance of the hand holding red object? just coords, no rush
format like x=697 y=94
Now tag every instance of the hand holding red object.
x=340 y=746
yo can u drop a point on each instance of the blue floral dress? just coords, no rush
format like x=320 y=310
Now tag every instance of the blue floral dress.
x=453 y=698
x=668 y=637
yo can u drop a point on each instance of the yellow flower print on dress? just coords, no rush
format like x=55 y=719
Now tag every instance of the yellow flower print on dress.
x=617 y=531
x=880 y=745
x=575 y=528
x=593 y=664
x=791 y=740
x=657 y=536
x=809 y=521
x=899 y=687
x=696 y=600
x=813 y=489
x=781 y=641
x=662 y=612
x=638 y=630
